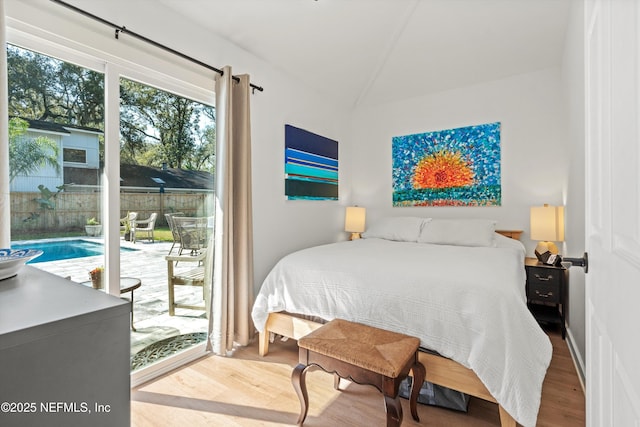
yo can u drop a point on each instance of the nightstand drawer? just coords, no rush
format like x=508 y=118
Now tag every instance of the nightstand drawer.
x=544 y=292
x=544 y=276
x=547 y=291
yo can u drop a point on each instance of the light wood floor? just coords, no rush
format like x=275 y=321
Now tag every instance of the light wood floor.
x=247 y=390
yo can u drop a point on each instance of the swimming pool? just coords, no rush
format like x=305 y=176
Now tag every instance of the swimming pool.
x=65 y=249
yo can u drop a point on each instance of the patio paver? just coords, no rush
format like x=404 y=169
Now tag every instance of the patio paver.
x=147 y=263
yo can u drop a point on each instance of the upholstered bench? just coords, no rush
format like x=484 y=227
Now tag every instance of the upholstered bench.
x=365 y=355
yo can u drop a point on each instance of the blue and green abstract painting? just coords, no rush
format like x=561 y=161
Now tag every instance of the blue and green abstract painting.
x=311 y=165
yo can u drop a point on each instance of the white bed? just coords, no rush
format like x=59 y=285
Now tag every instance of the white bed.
x=467 y=303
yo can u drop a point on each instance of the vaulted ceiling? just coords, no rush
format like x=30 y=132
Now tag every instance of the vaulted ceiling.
x=364 y=52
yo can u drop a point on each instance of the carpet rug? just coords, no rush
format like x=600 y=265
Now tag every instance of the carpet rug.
x=165 y=348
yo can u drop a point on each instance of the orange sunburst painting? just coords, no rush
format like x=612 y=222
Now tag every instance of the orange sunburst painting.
x=454 y=167
x=441 y=170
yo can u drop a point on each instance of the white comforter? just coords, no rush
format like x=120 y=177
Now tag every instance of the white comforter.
x=466 y=303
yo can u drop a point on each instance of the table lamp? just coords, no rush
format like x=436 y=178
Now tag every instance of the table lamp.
x=354 y=221
x=547 y=226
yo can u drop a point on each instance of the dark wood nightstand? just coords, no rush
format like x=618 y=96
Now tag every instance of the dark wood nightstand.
x=547 y=289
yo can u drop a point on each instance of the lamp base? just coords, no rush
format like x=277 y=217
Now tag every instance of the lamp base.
x=547 y=247
x=548 y=258
x=355 y=236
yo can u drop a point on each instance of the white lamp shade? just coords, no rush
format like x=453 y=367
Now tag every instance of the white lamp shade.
x=354 y=219
x=547 y=223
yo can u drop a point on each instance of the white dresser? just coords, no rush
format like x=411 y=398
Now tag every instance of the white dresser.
x=64 y=353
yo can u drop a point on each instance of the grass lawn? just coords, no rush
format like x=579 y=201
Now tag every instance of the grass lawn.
x=163 y=234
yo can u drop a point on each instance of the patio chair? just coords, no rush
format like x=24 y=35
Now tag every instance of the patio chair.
x=192 y=232
x=126 y=223
x=185 y=277
x=172 y=228
x=144 y=228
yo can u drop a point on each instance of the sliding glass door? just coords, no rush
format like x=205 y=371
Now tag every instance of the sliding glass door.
x=56 y=154
x=166 y=204
x=122 y=152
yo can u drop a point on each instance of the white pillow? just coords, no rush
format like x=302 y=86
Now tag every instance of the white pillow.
x=398 y=228
x=459 y=232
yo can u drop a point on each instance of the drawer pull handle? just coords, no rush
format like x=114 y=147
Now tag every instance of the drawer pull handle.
x=544 y=279
x=541 y=295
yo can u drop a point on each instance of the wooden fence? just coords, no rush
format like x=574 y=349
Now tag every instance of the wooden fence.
x=72 y=209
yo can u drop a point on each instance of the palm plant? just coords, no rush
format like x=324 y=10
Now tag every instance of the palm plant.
x=27 y=155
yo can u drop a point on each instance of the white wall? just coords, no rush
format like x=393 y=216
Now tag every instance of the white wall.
x=533 y=146
x=282 y=226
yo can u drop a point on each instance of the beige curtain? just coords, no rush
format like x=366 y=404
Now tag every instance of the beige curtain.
x=232 y=275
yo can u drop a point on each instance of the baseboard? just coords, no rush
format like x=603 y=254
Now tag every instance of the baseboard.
x=578 y=361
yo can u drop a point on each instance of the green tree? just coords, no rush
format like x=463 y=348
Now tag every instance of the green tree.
x=44 y=88
x=27 y=155
x=155 y=126
x=203 y=157
x=158 y=126
x=177 y=137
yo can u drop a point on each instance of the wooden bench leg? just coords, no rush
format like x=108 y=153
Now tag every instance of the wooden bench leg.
x=419 y=374
x=393 y=409
x=299 y=384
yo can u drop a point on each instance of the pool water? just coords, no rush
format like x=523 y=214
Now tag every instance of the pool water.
x=65 y=249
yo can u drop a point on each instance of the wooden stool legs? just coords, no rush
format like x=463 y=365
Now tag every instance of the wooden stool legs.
x=390 y=391
x=393 y=408
x=299 y=384
x=419 y=375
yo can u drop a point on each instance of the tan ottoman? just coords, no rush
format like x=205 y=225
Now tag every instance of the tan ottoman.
x=365 y=355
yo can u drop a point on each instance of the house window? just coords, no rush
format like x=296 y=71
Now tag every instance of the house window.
x=74 y=155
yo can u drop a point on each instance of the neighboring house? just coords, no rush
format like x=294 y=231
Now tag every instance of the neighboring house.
x=78 y=155
x=79 y=158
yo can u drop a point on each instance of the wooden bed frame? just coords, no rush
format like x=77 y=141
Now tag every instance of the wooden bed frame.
x=440 y=370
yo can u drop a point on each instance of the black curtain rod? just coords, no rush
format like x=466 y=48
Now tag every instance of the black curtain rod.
x=121 y=29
